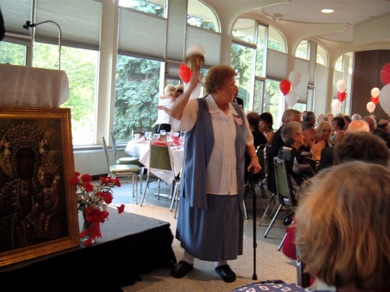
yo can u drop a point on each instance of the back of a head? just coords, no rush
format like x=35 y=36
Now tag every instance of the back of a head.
x=309 y=117
x=170 y=90
x=291 y=115
x=358 y=126
x=363 y=146
x=355 y=217
x=253 y=119
x=356 y=117
x=371 y=121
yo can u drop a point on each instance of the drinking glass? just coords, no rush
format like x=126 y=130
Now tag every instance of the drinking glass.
x=148 y=135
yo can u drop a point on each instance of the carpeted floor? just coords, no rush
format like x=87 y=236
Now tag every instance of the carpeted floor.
x=271 y=264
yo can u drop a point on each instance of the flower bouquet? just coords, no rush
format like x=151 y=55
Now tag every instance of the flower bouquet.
x=92 y=202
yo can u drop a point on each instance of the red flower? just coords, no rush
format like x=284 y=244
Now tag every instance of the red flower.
x=75 y=179
x=86 y=178
x=107 y=197
x=121 y=209
x=88 y=187
x=92 y=200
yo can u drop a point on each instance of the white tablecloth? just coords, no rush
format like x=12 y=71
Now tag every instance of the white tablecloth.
x=142 y=151
x=137 y=149
x=29 y=86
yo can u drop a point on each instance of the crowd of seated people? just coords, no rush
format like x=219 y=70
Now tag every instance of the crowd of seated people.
x=356 y=146
x=338 y=139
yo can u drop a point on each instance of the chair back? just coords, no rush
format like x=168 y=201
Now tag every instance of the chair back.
x=114 y=146
x=283 y=183
x=266 y=162
x=106 y=153
x=260 y=152
x=160 y=157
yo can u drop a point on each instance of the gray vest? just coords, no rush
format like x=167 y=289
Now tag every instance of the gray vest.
x=198 y=145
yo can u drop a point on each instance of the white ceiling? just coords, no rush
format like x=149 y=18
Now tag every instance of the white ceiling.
x=306 y=14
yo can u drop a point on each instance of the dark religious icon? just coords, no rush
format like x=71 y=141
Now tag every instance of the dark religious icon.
x=33 y=202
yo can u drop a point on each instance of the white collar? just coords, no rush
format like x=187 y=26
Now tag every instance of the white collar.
x=213 y=107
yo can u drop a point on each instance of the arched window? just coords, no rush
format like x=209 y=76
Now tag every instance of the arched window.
x=155 y=7
x=245 y=29
x=201 y=15
x=303 y=50
x=276 y=40
x=322 y=56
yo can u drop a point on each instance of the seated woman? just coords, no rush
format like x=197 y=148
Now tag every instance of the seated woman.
x=265 y=126
x=299 y=163
x=321 y=140
x=343 y=233
x=338 y=125
x=258 y=138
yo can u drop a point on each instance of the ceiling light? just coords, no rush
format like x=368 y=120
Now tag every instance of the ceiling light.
x=327 y=10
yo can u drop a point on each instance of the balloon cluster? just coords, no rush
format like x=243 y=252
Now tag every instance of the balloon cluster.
x=382 y=96
x=286 y=87
x=341 y=87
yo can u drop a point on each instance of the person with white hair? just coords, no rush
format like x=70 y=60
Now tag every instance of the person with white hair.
x=327 y=153
x=355 y=117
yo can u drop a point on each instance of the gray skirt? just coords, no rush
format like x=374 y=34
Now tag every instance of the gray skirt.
x=212 y=234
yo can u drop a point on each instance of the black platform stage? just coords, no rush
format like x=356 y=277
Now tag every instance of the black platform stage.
x=132 y=245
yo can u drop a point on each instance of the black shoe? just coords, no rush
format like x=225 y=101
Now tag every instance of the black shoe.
x=288 y=220
x=226 y=273
x=181 y=269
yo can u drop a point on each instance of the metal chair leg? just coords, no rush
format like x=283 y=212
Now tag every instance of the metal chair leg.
x=146 y=188
x=273 y=220
x=281 y=243
x=174 y=196
x=266 y=209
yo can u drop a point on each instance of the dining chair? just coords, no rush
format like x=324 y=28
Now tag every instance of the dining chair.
x=124 y=172
x=133 y=160
x=124 y=159
x=283 y=192
x=160 y=167
x=269 y=197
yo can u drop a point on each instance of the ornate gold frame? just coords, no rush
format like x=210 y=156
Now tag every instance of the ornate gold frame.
x=46 y=134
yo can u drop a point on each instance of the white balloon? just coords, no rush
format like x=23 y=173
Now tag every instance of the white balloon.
x=291 y=98
x=385 y=98
x=336 y=105
x=370 y=106
x=341 y=85
x=375 y=92
x=294 y=77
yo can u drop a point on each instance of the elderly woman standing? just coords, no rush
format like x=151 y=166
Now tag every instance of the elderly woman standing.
x=210 y=221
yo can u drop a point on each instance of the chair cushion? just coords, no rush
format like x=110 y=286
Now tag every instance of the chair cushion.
x=128 y=160
x=125 y=168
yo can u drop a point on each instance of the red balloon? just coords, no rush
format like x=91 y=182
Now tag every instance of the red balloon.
x=375 y=100
x=285 y=86
x=185 y=73
x=341 y=96
x=385 y=74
